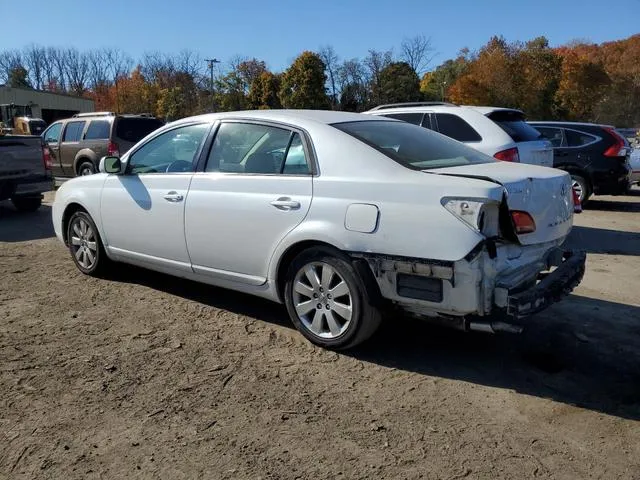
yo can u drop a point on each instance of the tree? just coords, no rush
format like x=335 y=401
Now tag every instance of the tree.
x=582 y=86
x=264 y=91
x=355 y=93
x=417 y=52
x=434 y=84
x=330 y=60
x=303 y=83
x=35 y=59
x=398 y=83
x=19 y=77
x=78 y=70
x=375 y=62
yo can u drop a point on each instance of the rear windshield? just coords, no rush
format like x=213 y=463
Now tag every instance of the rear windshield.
x=513 y=123
x=37 y=126
x=412 y=146
x=134 y=129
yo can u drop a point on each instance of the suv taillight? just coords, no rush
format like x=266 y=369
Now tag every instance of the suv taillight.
x=509 y=155
x=577 y=204
x=523 y=222
x=46 y=158
x=113 y=150
x=618 y=149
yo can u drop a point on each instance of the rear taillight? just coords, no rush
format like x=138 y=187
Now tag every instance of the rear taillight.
x=509 y=155
x=46 y=158
x=577 y=205
x=618 y=149
x=523 y=222
x=113 y=150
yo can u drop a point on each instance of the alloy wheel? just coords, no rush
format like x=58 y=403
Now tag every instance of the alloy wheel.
x=83 y=243
x=322 y=300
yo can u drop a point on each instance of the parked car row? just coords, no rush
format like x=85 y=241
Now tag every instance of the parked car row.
x=596 y=156
x=339 y=216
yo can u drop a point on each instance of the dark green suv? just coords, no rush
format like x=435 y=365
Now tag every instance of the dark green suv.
x=78 y=143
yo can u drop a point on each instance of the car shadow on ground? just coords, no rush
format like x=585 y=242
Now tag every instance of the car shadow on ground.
x=583 y=351
x=18 y=226
x=601 y=240
x=616 y=205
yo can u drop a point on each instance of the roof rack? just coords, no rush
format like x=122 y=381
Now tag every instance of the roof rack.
x=412 y=104
x=94 y=114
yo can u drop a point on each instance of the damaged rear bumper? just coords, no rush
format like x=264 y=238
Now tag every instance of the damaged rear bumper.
x=550 y=289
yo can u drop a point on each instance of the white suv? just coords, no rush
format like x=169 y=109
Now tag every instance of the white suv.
x=499 y=132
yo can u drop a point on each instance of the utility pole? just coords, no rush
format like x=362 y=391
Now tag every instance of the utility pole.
x=444 y=84
x=210 y=62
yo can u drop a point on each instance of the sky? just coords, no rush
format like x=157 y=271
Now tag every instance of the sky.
x=276 y=31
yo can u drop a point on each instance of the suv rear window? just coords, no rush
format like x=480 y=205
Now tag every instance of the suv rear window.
x=513 y=123
x=134 y=129
x=455 y=127
x=412 y=146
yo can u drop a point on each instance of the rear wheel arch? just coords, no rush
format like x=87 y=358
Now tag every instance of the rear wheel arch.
x=82 y=157
x=372 y=290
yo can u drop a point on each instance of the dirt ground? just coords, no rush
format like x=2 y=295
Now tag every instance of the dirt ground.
x=147 y=376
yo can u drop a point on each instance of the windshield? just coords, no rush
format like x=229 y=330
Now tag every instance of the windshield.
x=413 y=146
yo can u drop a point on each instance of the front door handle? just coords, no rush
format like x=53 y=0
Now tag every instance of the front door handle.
x=173 y=197
x=285 y=203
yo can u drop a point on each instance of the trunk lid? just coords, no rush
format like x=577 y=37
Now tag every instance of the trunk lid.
x=544 y=193
x=536 y=152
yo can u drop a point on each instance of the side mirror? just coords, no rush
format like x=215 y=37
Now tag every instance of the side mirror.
x=110 y=165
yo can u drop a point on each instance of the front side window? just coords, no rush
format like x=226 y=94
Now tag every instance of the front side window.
x=171 y=152
x=455 y=127
x=98 y=130
x=73 y=132
x=415 y=118
x=412 y=146
x=554 y=135
x=256 y=149
x=52 y=135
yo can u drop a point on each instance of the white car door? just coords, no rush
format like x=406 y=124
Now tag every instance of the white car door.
x=255 y=188
x=142 y=210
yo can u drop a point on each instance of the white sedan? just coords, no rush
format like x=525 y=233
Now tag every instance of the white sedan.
x=336 y=215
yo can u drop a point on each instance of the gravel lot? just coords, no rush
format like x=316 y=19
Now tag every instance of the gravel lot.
x=147 y=376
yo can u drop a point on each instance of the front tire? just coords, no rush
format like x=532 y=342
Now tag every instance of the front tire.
x=27 y=204
x=325 y=298
x=85 y=245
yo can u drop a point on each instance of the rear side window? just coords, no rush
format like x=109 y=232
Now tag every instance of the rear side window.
x=554 y=135
x=578 y=139
x=513 y=123
x=73 y=132
x=455 y=127
x=98 y=130
x=415 y=118
x=134 y=129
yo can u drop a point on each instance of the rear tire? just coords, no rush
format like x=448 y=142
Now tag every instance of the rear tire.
x=86 y=168
x=326 y=300
x=85 y=245
x=27 y=204
x=582 y=188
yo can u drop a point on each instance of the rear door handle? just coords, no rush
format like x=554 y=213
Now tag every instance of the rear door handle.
x=173 y=197
x=285 y=203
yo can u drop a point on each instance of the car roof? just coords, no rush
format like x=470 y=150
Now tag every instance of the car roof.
x=286 y=116
x=438 y=106
x=570 y=124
